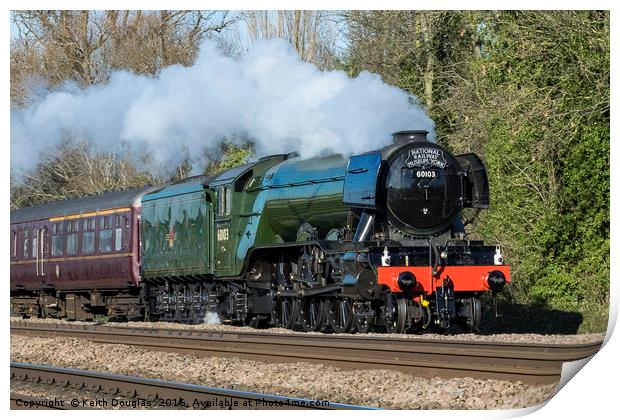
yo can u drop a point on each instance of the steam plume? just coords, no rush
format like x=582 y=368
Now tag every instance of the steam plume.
x=212 y=318
x=268 y=94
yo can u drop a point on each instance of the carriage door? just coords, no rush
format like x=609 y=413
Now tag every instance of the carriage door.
x=224 y=252
x=40 y=251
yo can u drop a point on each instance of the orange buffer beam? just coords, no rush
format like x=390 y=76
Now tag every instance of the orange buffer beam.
x=465 y=278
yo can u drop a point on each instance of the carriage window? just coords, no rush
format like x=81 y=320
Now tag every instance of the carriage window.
x=26 y=243
x=118 y=239
x=105 y=234
x=105 y=222
x=35 y=242
x=14 y=247
x=57 y=239
x=72 y=237
x=118 y=236
x=88 y=243
x=105 y=240
x=88 y=237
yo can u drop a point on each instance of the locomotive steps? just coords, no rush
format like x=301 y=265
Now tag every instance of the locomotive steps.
x=525 y=362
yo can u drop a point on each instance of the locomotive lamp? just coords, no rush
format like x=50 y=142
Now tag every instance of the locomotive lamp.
x=498 y=258
x=385 y=258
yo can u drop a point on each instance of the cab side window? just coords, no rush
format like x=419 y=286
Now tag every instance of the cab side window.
x=220 y=201
x=224 y=200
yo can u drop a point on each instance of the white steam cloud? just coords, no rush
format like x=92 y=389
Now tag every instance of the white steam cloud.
x=268 y=94
x=211 y=318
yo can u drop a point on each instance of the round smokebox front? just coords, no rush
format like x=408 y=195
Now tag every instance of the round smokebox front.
x=423 y=189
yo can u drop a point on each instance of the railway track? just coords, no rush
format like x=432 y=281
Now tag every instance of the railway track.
x=124 y=391
x=525 y=362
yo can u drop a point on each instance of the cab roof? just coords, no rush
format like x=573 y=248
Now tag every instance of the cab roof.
x=183 y=186
x=234 y=173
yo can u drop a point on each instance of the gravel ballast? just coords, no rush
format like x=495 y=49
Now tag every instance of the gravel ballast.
x=375 y=388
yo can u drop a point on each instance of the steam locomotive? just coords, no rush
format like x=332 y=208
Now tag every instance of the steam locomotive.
x=373 y=242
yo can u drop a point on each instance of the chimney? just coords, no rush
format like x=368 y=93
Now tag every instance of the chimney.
x=409 y=135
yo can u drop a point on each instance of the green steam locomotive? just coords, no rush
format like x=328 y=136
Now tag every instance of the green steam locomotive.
x=373 y=242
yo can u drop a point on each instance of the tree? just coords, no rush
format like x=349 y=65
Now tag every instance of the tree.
x=77 y=170
x=229 y=155
x=419 y=51
x=311 y=33
x=535 y=104
x=86 y=46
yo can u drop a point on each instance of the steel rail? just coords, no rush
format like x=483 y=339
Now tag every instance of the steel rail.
x=168 y=394
x=527 y=362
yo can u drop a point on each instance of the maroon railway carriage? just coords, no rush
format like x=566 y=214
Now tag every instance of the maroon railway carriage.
x=77 y=253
